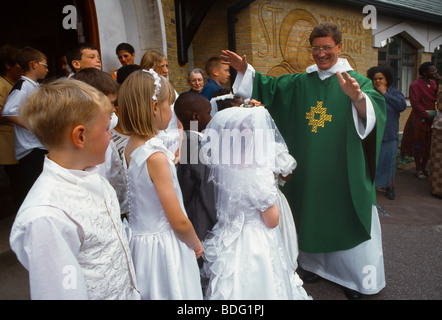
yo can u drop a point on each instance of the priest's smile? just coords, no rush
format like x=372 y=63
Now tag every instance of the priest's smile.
x=325 y=52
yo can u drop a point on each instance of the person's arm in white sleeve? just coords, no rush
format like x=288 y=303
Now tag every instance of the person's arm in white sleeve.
x=243 y=85
x=47 y=243
x=10 y=110
x=364 y=126
x=362 y=107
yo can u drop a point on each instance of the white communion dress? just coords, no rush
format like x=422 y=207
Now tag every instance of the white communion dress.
x=243 y=258
x=285 y=164
x=166 y=267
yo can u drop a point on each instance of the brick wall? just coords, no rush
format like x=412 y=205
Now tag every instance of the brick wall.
x=403 y=119
x=177 y=74
x=212 y=36
x=273 y=35
x=281 y=29
x=258 y=35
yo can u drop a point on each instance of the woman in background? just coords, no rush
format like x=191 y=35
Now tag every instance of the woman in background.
x=196 y=80
x=416 y=140
x=382 y=77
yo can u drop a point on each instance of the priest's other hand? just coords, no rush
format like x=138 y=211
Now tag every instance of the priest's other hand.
x=350 y=86
x=352 y=89
x=234 y=60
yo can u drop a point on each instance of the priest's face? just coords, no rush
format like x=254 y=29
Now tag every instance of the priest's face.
x=325 y=52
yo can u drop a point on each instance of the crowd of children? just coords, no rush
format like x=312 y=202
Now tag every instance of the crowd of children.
x=124 y=198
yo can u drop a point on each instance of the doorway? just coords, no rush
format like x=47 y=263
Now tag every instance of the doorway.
x=39 y=24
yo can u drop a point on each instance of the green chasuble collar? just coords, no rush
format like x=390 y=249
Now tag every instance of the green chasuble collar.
x=331 y=192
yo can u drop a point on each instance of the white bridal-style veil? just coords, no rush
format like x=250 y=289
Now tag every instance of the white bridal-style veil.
x=243 y=258
x=240 y=145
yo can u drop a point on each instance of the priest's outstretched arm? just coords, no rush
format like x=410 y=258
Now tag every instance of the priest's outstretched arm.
x=363 y=112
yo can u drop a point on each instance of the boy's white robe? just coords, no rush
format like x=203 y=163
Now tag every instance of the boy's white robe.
x=69 y=236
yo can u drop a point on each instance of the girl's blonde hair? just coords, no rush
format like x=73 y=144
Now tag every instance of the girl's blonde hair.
x=55 y=107
x=152 y=60
x=135 y=102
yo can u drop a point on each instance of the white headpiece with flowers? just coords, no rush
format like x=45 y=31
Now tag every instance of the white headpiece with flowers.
x=157 y=83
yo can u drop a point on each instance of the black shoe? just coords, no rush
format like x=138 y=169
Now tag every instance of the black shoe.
x=381 y=211
x=390 y=193
x=310 y=277
x=352 y=294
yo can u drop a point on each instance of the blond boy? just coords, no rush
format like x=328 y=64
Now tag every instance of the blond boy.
x=219 y=74
x=68 y=233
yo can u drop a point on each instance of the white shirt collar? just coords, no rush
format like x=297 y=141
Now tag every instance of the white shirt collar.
x=341 y=66
x=89 y=179
x=30 y=80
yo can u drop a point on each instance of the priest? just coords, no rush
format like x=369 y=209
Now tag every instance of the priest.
x=333 y=122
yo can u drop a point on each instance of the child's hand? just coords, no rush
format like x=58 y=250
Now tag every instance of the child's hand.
x=177 y=159
x=199 y=252
x=286 y=178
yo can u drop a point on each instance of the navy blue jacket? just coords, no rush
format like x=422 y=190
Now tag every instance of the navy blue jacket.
x=210 y=88
x=395 y=102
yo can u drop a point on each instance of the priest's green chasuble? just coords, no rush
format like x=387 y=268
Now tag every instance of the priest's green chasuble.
x=331 y=192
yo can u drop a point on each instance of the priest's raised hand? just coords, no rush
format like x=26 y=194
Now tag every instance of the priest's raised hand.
x=351 y=88
x=234 y=60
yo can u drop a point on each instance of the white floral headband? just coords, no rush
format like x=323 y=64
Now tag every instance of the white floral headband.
x=224 y=97
x=157 y=83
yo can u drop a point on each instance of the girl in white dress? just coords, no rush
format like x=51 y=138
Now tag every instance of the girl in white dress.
x=163 y=242
x=244 y=254
x=172 y=135
x=285 y=164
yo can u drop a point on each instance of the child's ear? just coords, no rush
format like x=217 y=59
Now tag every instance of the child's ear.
x=195 y=116
x=78 y=136
x=76 y=64
x=33 y=64
x=155 y=108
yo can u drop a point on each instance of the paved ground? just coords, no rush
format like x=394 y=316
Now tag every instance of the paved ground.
x=412 y=234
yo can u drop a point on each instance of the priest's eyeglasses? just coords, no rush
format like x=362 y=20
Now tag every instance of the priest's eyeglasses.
x=326 y=49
